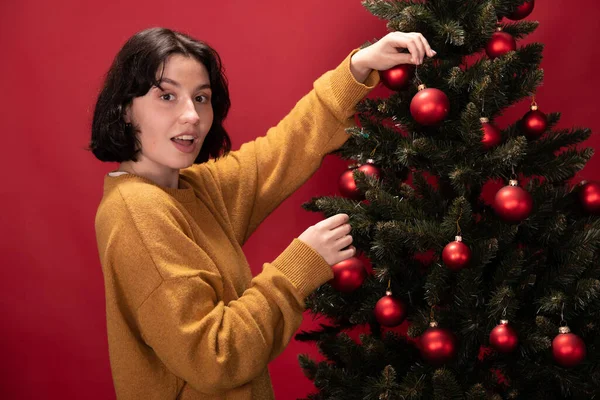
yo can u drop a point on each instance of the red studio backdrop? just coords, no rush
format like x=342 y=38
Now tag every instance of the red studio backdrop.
x=54 y=342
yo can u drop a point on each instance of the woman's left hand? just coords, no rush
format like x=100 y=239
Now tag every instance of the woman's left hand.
x=384 y=53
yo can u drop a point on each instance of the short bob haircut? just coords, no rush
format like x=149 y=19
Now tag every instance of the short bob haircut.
x=133 y=73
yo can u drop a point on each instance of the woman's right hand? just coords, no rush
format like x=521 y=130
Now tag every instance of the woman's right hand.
x=329 y=237
x=385 y=53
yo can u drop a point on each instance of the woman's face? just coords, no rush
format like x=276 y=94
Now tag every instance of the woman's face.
x=172 y=122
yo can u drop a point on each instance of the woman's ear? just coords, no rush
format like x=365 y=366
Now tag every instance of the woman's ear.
x=127 y=114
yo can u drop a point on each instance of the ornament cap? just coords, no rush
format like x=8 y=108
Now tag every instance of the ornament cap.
x=513 y=182
x=370 y=161
x=388 y=292
x=499 y=28
x=503 y=322
x=458 y=238
x=421 y=87
x=564 y=329
x=583 y=183
x=433 y=324
x=484 y=120
x=534 y=107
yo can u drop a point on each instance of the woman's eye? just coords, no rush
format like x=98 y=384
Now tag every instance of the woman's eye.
x=202 y=99
x=167 y=96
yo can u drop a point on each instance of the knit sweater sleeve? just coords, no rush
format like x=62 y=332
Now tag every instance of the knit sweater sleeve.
x=255 y=179
x=178 y=308
x=214 y=346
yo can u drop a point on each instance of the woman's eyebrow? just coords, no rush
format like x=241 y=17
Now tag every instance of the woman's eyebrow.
x=176 y=84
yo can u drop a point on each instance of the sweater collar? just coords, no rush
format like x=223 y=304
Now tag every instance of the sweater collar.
x=184 y=193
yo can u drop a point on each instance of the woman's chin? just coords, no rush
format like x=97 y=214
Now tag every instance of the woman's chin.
x=184 y=165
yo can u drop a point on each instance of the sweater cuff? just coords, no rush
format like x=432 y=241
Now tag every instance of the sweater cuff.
x=344 y=90
x=304 y=267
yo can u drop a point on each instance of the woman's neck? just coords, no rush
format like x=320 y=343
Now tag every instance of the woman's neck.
x=167 y=178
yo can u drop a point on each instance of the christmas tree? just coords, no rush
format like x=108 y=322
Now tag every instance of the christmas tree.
x=484 y=280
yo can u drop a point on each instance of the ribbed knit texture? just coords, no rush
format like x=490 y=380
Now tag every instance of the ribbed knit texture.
x=185 y=317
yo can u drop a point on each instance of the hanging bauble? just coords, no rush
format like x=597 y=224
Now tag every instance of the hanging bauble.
x=456 y=255
x=437 y=345
x=398 y=77
x=513 y=203
x=504 y=337
x=499 y=44
x=491 y=134
x=522 y=11
x=347 y=184
x=390 y=311
x=568 y=349
x=348 y=275
x=534 y=123
x=429 y=106
x=370 y=169
x=589 y=195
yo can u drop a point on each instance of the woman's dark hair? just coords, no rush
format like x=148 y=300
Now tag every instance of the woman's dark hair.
x=133 y=73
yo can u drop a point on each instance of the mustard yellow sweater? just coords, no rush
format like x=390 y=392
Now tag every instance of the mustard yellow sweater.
x=185 y=318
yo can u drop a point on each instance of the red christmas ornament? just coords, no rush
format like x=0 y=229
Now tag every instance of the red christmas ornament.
x=500 y=43
x=513 y=203
x=347 y=185
x=390 y=311
x=429 y=106
x=504 y=337
x=456 y=255
x=398 y=77
x=534 y=122
x=589 y=194
x=567 y=348
x=491 y=134
x=348 y=275
x=370 y=169
x=522 y=11
x=438 y=345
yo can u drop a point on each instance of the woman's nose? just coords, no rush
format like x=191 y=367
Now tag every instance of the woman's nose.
x=189 y=113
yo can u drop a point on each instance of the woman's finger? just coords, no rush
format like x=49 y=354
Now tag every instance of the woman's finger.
x=333 y=221
x=428 y=50
x=414 y=51
x=345 y=254
x=402 y=58
x=420 y=45
x=340 y=231
x=343 y=242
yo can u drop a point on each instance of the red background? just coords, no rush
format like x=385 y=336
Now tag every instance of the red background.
x=54 y=56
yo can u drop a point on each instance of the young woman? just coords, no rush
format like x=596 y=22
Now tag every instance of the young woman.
x=185 y=318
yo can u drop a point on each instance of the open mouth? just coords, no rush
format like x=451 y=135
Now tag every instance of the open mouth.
x=185 y=142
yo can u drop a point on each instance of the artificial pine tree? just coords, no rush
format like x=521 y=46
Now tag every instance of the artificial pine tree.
x=441 y=252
